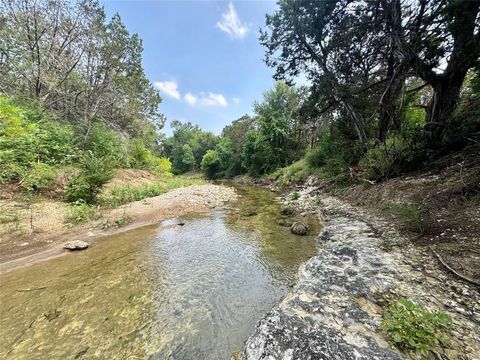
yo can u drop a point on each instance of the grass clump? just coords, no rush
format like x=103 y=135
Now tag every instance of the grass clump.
x=413 y=328
x=295 y=195
x=410 y=215
x=79 y=213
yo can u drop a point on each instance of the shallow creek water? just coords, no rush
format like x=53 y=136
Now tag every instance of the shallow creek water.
x=159 y=292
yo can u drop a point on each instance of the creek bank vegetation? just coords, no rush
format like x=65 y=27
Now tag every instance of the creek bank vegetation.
x=79 y=127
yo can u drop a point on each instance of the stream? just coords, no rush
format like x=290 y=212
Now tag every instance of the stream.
x=164 y=291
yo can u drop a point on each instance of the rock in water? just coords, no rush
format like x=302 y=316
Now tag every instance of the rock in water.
x=285 y=222
x=299 y=228
x=75 y=245
x=287 y=210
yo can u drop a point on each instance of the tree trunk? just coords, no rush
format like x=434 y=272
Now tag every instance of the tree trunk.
x=389 y=101
x=446 y=92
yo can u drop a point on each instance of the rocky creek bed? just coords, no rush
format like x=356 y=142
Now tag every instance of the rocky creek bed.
x=335 y=309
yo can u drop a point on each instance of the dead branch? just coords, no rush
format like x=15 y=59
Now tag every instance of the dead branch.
x=474 y=282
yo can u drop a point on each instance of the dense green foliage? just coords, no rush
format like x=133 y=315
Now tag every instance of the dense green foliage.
x=387 y=91
x=187 y=146
x=96 y=72
x=33 y=148
x=94 y=172
x=89 y=107
x=411 y=327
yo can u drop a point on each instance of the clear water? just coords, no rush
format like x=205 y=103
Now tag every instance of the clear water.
x=160 y=292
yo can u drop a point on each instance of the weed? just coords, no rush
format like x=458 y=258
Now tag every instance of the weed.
x=410 y=214
x=118 y=221
x=411 y=327
x=295 y=195
x=78 y=213
x=122 y=220
x=9 y=216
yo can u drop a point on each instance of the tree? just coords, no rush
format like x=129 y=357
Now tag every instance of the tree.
x=360 y=53
x=211 y=164
x=198 y=142
x=275 y=145
x=188 y=160
x=237 y=131
x=317 y=38
x=65 y=57
x=437 y=35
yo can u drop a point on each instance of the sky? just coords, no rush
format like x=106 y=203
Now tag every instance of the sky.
x=204 y=57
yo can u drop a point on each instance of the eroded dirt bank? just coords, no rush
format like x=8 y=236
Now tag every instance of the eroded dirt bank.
x=336 y=308
x=16 y=251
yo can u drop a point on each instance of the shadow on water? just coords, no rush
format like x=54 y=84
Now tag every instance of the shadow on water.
x=159 y=292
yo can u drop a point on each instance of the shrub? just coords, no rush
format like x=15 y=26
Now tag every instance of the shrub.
x=295 y=195
x=125 y=194
x=55 y=144
x=24 y=143
x=17 y=141
x=211 y=164
x=383 y=161
x=411 y=327
x=85 y=186
x=39 y=178
x=102 y=142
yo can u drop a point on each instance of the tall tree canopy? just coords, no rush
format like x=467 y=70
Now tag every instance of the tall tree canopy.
x=358 y=54
x=76 y=65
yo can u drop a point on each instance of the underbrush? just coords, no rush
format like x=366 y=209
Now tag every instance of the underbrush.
x=125 y=194
x=79 y=213
x=298 y=171
x=34 y=147
x=410 y=216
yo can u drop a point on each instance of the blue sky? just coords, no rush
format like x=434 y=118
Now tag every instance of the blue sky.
x=203 y=56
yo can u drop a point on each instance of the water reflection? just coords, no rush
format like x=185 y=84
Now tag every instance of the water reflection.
x=169 y=292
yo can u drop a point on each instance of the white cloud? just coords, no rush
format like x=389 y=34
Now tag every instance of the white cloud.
x=169 y=88
x=212 y=99
x=231 y=23
x=190 y=98
x=236 y=100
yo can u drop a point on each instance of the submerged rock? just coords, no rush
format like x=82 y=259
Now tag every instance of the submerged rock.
x=299 y=228
x=287 y=210
x=75 y=245
x=285 y=222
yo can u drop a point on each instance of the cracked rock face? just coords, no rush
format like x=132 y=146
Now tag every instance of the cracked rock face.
x=335 y=309
x=320 y=318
